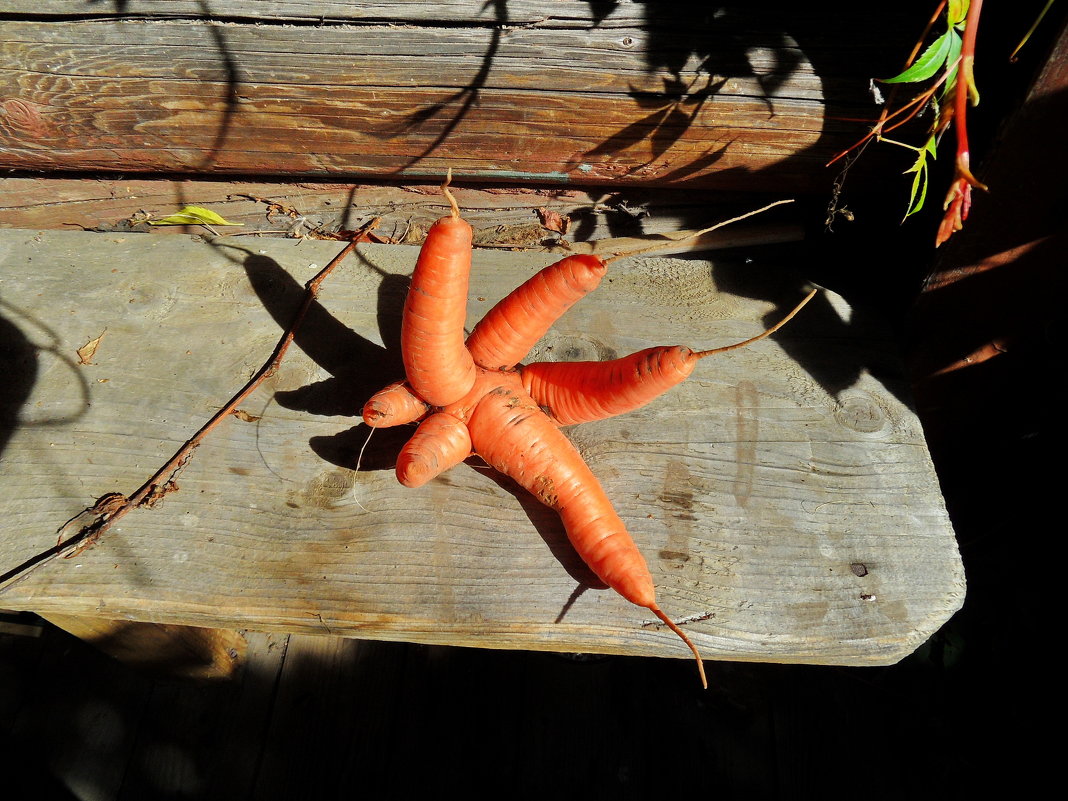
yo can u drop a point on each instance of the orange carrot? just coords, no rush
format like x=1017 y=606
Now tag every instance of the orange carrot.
x=512 y=327
x=394 y=405
x=441 y=441
x=515 y=437
x=438 y=366
x=580 y=392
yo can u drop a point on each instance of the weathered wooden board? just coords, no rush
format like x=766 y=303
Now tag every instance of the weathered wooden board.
x=550 y=219
x=783 y=495
x=726 y=98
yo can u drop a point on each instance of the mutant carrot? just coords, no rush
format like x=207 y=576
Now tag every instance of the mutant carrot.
x=516 y=438
x=512 y=327
x=580 y=392
x=472 y=398
x=438 y=366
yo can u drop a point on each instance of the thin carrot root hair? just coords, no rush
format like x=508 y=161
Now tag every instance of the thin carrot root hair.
x=656 y=610
x=700 y=354
x=356 y=469
x=672 y=242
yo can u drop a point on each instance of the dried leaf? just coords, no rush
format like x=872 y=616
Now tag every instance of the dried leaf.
x=273 y=206
x=244 y=416
x=554 y=221
x=108 y=504
x=88 y=350
x=193 y=215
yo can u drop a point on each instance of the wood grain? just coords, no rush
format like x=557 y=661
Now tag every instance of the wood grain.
x=729 y=103
x=756 y=489
x=502 y=216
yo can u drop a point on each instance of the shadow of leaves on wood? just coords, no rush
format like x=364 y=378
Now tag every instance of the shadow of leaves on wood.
x=672 y=112
x=19 y=363
x=20 y=366
x=460 y=103
x=232 y=82
x=753 y=52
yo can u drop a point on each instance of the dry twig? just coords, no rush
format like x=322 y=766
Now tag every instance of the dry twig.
x=113 y=506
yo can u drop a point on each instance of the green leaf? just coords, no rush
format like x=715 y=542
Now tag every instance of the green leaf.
x=918 y=194
x=192 y=215
x=932 y=147
x=951 y=61
x=927 y=64
x=958 y=12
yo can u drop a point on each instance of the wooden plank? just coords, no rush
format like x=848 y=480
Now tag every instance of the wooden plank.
x=159 y=648
x=469 y=11
x=503 y=217
x=732 y=109
x=689 y=18
x=784 y=495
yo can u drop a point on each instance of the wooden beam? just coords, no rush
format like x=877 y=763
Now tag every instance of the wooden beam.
x=720 y=103
x=550 y=219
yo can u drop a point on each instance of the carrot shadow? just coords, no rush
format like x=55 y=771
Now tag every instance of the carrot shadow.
x=357 y=367
x=549 y=527
x=356 y=364
x=834 y=350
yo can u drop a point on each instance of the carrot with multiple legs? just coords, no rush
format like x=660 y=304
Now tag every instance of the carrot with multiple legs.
x=475 y=397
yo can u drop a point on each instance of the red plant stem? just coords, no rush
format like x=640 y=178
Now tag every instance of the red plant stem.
x=920 y=101
x=879 y=127
x=965 y=81
x=885 y=116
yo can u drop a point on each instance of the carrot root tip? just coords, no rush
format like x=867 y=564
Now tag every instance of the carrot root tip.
x=682 y=635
